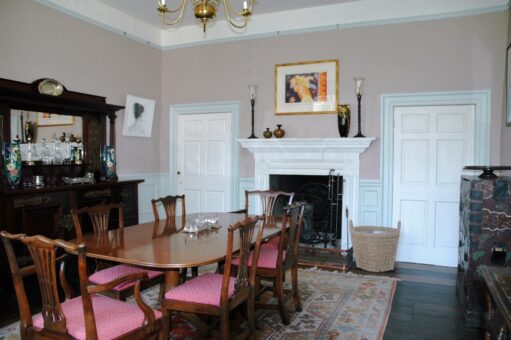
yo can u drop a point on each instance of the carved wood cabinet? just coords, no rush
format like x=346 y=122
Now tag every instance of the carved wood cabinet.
x=46 y=210
x=485 y=239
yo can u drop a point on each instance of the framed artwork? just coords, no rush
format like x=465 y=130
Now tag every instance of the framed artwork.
x=138 y=117
x=306 y=87
x=508 y=86
x=53 y=119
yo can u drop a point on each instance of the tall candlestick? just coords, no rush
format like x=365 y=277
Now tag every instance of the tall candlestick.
x=252 y=89
x=359 y=89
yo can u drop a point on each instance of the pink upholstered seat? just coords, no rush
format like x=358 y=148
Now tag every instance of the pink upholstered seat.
x=204 y=289
x=109 y=274
x=273 y=243
x=113 y=317
x=267 y=258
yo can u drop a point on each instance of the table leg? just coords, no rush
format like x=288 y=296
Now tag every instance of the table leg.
x=171 y=278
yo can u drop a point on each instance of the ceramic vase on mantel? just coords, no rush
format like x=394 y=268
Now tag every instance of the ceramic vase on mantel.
x=267 y=133
x=279 y=132
x=12 y=163
x=343 y=119
x=109 y=163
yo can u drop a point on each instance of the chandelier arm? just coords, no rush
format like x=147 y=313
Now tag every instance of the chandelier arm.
x=243 y=13
x=241 y=22
x=163 y=9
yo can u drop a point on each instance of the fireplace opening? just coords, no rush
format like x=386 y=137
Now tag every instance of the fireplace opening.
x=323 y=211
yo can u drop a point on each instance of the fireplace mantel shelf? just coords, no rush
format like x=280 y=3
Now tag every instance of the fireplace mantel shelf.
x=357 y=145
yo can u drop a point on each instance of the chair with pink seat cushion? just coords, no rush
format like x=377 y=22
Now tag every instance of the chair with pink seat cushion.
x=218 y=294
x=99 y=217
x=268 y=198
x=89 y=316
x=275 y=261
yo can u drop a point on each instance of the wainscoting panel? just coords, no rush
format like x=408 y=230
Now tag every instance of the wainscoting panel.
x=147 y=190
x=245 y=184
x=370 y=203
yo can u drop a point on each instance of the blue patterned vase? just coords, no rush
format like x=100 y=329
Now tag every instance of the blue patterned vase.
x=109 y=162
x=12 y=163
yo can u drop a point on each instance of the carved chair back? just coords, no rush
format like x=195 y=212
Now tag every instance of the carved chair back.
x=44 y=254
x=268 y=199
x=99 y=217
x=169 y=204
x=245 y=276
x=292 y=221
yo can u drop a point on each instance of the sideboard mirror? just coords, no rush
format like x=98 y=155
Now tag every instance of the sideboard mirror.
x=31 y=114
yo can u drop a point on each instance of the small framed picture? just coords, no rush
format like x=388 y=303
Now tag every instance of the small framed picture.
x=306 y=87
x=138 y=117
x=53 y=119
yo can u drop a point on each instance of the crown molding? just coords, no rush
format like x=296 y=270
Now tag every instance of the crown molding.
x=337 y=16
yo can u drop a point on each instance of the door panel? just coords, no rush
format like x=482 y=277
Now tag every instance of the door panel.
x=431 y=146
x=204 y=161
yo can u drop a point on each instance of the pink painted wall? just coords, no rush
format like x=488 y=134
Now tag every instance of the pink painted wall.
x=457 y=54
x=505 y=151
x=38 y=42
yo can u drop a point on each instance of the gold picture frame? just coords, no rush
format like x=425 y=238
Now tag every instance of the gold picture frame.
x=53 y=119
x=310 y=87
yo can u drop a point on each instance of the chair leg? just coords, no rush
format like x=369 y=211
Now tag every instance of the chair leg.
x=166 y=322
x=162 y=291
x=250 y=316
x=224 y=324
x=280 y=298
x=195 y=271
x=182 y=275
x=294 y=284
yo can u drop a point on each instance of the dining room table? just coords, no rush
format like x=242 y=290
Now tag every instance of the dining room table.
x=167 y=244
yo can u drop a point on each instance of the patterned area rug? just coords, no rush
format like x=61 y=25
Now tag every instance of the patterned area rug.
x=335 y=306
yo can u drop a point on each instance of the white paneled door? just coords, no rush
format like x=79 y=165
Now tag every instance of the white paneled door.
x=204 y=161
x=431 y=146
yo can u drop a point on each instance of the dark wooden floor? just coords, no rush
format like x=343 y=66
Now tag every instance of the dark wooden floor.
x=425 y=305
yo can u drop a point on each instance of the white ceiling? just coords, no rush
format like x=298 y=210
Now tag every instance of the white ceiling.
x=139 y=19
x=145 y=10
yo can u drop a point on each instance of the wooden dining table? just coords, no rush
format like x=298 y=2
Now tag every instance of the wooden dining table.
x=164 y=245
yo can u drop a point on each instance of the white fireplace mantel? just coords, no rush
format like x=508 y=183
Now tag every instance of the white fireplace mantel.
x=312 y=156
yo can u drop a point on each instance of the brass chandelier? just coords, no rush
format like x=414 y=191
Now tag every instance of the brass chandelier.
x=205 y=10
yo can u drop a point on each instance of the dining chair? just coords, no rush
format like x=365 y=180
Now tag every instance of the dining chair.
x=274 y=262
x=216 y=294
x=89 y=316
x=268 y=198
x=99 y=217
x=169 y=204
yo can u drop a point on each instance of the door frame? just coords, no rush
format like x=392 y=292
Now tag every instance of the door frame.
x=233 y=108
x=480 y=99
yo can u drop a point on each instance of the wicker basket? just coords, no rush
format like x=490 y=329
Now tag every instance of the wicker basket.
x=375 y=247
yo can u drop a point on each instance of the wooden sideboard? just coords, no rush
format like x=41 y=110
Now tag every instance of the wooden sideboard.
x=485 y=239
x=46 y=211
x=498 y=302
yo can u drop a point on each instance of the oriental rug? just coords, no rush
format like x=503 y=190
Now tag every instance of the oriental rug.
x=335 y=306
